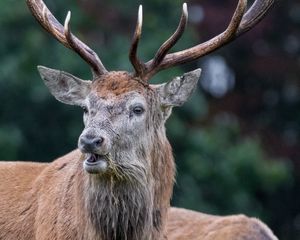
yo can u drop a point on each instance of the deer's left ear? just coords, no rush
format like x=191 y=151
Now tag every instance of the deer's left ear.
x=177 y=91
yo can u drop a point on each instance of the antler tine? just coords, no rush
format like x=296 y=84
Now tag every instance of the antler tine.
x=64 y=35
x=240 y=23
x=208 y=46
x=137 y=64
x=167 y=45
x=257 y=11
x=91 y=58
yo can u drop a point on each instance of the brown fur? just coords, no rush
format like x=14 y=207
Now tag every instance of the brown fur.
x=41 y=199
x=187 y=224
x=117 y=83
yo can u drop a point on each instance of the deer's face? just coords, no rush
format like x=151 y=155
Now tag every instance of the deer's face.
x=122 y=116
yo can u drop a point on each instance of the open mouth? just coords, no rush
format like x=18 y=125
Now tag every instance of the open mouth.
x=95 y=163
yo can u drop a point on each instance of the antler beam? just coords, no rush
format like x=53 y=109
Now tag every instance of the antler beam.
x=64 y=35
x=240 y=23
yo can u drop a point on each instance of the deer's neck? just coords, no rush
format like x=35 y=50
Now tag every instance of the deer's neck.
x=130 y=210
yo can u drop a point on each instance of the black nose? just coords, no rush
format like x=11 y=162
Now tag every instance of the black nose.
x=91 y=143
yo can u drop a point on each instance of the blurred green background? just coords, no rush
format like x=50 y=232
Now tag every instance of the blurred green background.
x=236 y=142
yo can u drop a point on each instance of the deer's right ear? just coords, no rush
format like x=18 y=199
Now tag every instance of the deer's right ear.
x=64 y=86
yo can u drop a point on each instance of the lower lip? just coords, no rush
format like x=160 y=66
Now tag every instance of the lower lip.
x=95 y=166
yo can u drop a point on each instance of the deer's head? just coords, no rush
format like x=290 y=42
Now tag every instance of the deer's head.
x=123 y=113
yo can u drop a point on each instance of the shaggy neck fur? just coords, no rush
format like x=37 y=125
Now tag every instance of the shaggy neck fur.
x=119 y=210
x=132 y=208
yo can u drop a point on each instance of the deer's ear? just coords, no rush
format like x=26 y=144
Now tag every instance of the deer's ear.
x=64 y=86
x=177 y=91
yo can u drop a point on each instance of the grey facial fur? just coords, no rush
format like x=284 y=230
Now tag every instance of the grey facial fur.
x=115 y=122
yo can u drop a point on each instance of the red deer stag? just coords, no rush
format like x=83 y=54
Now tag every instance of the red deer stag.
x=119 y=183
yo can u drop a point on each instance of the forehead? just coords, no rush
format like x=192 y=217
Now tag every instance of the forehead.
x=120 y=102
x=114 y=84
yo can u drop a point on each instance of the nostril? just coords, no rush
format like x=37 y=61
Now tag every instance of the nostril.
x=83 y=140
x=98 y=142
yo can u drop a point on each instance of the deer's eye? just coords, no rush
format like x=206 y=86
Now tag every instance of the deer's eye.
x=138 y=110
x=85 y=110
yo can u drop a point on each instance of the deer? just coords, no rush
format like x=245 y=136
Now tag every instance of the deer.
x=119 y=182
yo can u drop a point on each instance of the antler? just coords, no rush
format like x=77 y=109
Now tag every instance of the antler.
x=240 y=23
x=137 y=64
x=64 y=35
